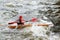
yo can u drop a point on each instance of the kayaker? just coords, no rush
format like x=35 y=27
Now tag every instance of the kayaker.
x=20 y=21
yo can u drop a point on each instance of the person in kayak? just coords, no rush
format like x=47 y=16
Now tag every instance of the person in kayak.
x=20 y=21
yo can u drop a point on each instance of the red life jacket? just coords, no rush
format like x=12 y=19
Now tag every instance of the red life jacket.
x=21 y=19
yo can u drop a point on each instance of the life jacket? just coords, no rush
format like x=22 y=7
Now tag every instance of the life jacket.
x=21 y=21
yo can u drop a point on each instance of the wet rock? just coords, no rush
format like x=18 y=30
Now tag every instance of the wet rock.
x=55 y=29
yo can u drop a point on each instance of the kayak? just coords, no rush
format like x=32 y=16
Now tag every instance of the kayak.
x=25 y=25
x=19 y=26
